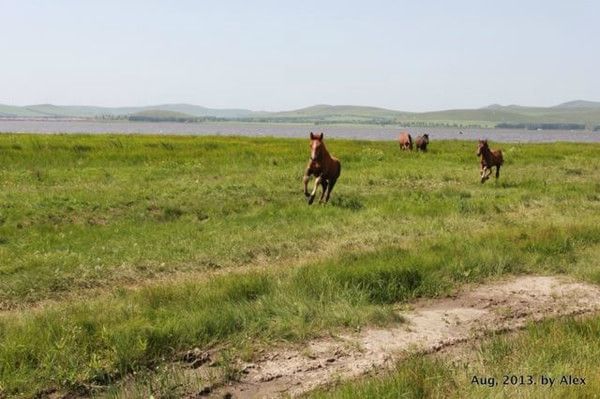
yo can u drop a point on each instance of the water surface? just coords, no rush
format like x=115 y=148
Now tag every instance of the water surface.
x=365 y=132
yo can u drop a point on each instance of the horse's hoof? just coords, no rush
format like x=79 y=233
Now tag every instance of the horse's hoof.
x=310 y=200
x=306 y=195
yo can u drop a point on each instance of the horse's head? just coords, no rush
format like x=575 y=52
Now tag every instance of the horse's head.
x=316 y=146
x=426 y=138
x=482 y=145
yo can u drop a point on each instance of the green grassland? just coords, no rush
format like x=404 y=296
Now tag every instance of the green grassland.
x=119 y=252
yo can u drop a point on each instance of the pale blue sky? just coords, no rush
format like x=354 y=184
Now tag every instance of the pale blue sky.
x=276 y=55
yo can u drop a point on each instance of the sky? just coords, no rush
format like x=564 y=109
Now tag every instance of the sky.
x=281 y=55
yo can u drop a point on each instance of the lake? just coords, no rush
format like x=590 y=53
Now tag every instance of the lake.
x=364 y=132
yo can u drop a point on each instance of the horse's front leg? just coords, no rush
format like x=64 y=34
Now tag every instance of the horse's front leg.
x=305 y=180
x=483 y=173
x=311 y=198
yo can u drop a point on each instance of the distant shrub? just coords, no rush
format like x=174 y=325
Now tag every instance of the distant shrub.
x=383 y=284
x=116 y=143
x=345 y=202
x=372 y=154
x=165 y=213
x=542 y=126
x=81 y=148
x=171 y=213
x=573 y=171
x=167 y=146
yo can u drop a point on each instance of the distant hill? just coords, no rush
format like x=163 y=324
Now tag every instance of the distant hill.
x=574 y=112
x=514 y=114
x=489 y=116
x=341 y=110
x=336 y=113
x=74 y=111
x=158 y=115
x=579 y=104
x=13 y=111
x=68 y=111
x=196 y=110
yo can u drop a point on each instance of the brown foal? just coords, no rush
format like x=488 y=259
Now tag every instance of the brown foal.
x=489 y=159
x=323 y=166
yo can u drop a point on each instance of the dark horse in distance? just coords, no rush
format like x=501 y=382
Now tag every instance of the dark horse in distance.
x=422 y=142
x=489 y=159
x=323 y=166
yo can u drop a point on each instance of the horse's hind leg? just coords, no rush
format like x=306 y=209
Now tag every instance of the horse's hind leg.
x=330 y=189
x=497 y=171
x=325 y=186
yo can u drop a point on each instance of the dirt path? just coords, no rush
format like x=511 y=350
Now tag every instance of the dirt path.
x=430 y=326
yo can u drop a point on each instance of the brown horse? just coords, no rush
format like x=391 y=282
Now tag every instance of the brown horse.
x=405 y=141
x=489 y=159
x=421 y=142
x=323 y=166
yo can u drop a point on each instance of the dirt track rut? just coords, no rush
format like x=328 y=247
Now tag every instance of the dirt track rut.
x=430 y=325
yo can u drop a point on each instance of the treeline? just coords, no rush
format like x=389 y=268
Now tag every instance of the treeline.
x=181 y=119
x=109 y=117
x=161 y=117
x=358 y=121
x=456 y=125
x=542 y=126
x=316 y=120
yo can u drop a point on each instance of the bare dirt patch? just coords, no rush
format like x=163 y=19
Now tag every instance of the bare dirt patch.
x=430 y=325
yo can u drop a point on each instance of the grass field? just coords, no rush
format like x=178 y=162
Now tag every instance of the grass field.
x=119 y=252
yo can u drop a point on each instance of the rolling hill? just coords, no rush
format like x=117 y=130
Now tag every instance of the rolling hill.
x=574 y=112
x=327 y=111
x=156 y=115
x=68 y=111
x=579 y=112
x=579 y=104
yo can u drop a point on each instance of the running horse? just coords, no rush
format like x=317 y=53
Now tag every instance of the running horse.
x=405 y=141
x=323 y=166
x=422 y=142
x=489 y=159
